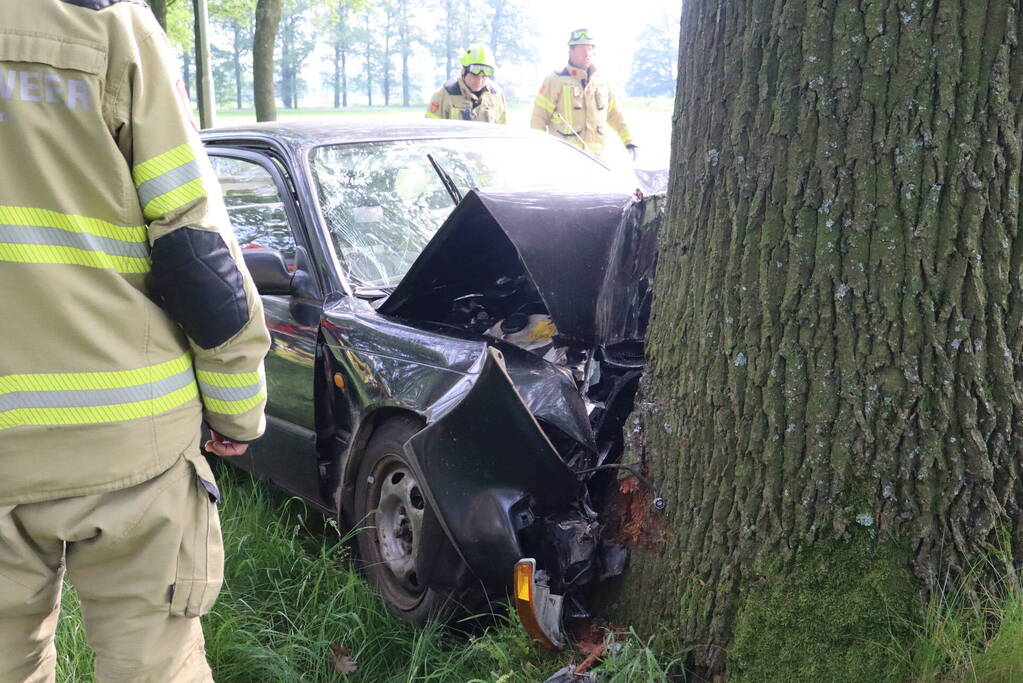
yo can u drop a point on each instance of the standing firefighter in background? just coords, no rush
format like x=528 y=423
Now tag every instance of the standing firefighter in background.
x=471 y=96
x=576 y=104
x=128 y=317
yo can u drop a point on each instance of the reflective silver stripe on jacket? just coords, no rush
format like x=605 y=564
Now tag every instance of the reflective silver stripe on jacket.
x=55 y=237
x=83 y=398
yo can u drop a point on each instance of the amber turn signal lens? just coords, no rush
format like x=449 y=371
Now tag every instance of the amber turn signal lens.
x=538 y=610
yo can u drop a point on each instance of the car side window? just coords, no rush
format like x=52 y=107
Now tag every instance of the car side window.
x=254 y=206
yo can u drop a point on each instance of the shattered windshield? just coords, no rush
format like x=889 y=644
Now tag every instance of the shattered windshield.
x=383 y=201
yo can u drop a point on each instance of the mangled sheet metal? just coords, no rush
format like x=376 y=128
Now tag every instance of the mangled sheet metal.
x=587 y=258
x=488 y=463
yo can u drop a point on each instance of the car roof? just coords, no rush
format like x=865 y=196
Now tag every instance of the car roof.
x=310 y=132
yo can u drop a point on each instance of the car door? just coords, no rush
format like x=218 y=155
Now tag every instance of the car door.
x=263 y=215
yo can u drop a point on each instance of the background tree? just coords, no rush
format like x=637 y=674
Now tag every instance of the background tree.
x=389 y=9
x=655 y=62
x=368 y=40
x=407 y=37
x=180 y=27
x=832 y=401
x=336 y=19
x=268 y=17
x=511 y=31
x=235 y=19
x=296 y=36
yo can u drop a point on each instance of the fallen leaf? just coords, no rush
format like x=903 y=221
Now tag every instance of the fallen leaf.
x=343 y=662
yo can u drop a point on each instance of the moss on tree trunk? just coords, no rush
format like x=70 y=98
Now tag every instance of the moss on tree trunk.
x=832 y=403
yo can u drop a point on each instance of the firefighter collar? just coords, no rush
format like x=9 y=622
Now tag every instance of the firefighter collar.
x=576 y=72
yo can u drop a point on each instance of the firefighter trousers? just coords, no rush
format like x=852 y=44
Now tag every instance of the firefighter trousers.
x=146 y=561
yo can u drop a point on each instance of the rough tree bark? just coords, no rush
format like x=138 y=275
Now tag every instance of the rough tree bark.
x=268 y=17
x=832 y=403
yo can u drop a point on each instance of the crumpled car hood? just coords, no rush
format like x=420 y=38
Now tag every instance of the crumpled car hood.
x=589 y=256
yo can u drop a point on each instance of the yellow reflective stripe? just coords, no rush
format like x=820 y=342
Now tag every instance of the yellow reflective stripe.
x=174 y=199
x=625 y=136
x=215 y=405
x=567 y=104
x=158 y=165
x=69 y=256
x=22 y=417
x=44 y=218
x=544 y=104
x=431 y=115
x=228 y=379
x=80 y=381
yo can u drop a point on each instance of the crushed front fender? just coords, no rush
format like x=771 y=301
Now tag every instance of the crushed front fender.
x=491 y=470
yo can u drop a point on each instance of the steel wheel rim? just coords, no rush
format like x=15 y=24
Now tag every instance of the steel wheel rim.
x=400 y=508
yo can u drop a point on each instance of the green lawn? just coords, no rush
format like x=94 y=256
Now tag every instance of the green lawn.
x=291 y=595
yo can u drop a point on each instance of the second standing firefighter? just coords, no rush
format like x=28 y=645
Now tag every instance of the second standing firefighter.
x=471 y=96
x=577 y=105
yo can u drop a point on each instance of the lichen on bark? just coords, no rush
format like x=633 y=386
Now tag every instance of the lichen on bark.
x=837 y=330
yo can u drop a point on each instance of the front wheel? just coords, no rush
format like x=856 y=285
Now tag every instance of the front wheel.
x=404 y=552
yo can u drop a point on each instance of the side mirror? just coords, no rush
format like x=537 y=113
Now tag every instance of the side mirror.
x=268 y=271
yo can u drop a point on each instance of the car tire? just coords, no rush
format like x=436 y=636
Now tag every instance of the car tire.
x=403 y=550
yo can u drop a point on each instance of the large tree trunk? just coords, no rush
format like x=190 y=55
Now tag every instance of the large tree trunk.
x=268 y=17
x=831 y=404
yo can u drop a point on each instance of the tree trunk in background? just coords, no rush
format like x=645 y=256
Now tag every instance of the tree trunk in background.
x=831 y=404
x=344 y=78
x=186 y=73
x=337 y=76
x=236 y=60
x=268 y=16
x=369 y=64
x=286 y=64
x=386 y=63
x=406 y=49
x=159 y=8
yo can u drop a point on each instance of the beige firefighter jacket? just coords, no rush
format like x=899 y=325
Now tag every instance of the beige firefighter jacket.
x=113 y=243
x=454 y=100
x=577 y=106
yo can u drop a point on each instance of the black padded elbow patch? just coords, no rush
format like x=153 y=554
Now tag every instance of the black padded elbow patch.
x=197 y=282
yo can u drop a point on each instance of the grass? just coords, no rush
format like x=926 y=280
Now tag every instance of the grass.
x=291 y=595
x=968 y=635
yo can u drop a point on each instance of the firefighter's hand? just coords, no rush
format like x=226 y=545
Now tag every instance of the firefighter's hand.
x=219 y=445
x=634 y=151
